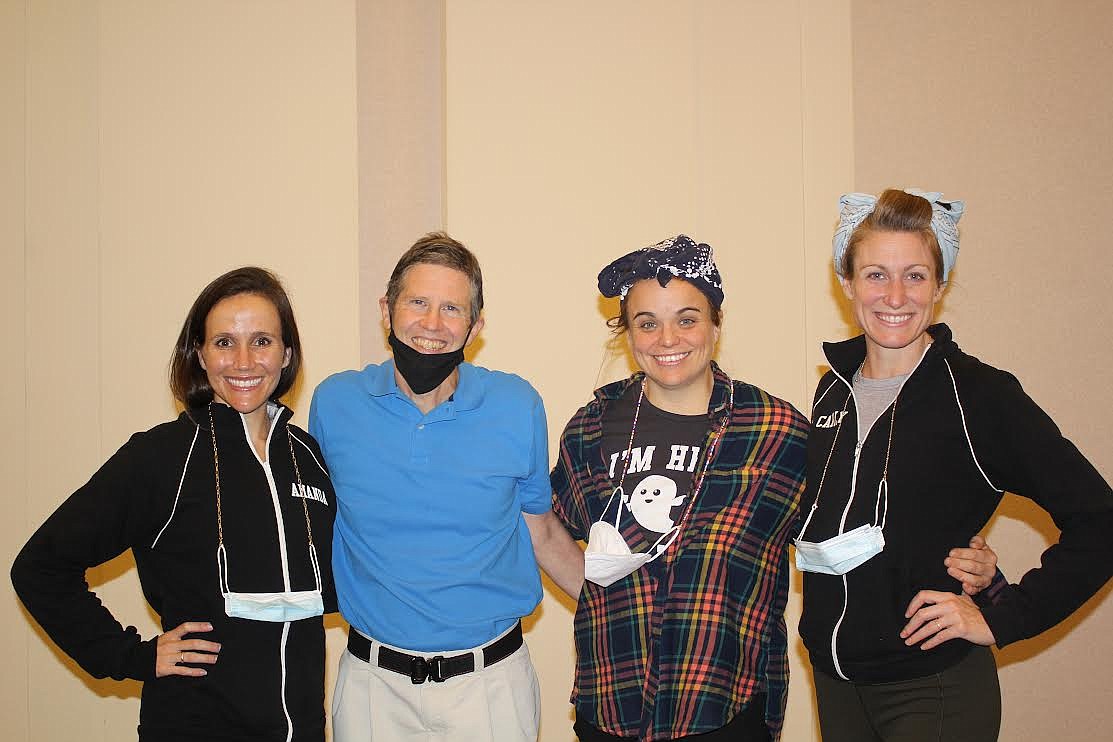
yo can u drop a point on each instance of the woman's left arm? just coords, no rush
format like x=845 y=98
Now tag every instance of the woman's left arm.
x=1022 y=451
x=1037 y=462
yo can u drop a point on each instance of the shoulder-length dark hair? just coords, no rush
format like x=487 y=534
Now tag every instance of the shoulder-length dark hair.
x=188 y=381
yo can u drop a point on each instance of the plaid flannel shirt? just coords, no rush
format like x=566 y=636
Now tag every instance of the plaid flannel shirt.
x=683 y=657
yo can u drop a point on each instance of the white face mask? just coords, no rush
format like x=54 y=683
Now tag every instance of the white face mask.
x=842 y=553
x=607 y=558
x=274 y=607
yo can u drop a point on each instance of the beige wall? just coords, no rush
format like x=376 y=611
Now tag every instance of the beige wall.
x=155 y=144
x=1009 y=105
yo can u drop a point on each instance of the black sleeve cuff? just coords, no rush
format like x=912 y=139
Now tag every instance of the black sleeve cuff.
x=140 y=661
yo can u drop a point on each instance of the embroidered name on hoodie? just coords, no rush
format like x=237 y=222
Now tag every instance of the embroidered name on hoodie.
x=308 y=492
x=830 y=421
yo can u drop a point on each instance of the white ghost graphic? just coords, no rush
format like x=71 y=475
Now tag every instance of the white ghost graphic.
x=652 y=500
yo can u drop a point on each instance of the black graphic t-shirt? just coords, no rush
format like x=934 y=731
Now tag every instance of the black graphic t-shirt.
x=660 y=471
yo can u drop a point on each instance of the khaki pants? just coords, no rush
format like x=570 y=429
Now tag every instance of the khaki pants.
x=500 y=703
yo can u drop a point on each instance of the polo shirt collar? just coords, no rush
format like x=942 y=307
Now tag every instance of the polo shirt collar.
x=468 y=394
x=380 y=380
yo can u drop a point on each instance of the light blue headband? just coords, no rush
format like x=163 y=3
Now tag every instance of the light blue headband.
x=855 y=207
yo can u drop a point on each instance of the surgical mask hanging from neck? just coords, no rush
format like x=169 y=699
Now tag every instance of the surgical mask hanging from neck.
x=845 y=551
x=290 y=605
x=607 y=558
x=424 y=372
x=840 y=554
x=276 y=607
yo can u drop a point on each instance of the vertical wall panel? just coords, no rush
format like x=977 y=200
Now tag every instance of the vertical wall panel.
x=401 y=144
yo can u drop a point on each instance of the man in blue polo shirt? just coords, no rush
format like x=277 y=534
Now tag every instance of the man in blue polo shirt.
x=442 y=484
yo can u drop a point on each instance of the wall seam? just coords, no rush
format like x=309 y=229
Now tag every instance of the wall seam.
x=26 y=333
x=443 y=154
x=803 y=381
x=99 y=201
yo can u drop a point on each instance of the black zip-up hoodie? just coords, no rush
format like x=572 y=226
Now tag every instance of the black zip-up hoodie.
x=156 y=496
x=963 y=434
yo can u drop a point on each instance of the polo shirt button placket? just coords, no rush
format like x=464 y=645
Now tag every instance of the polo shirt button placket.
x=419 y=446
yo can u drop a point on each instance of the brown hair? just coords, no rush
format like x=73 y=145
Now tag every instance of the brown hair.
x=437 y=248
x=188 y=381
x=896 y=211
x=621 y=323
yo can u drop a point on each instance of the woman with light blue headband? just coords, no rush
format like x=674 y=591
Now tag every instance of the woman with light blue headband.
x=912 y=445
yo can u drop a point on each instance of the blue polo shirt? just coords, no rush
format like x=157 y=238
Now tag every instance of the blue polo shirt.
x=430 y=550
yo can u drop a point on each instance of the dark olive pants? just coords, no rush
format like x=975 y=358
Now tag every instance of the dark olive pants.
x=960 y=704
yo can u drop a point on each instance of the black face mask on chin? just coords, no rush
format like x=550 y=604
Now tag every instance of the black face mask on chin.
x=424 y=372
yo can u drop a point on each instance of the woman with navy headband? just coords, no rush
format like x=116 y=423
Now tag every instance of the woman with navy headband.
x=912 y=445
x=685 y=485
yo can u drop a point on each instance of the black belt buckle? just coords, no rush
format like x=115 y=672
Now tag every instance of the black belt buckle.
x=431 y=669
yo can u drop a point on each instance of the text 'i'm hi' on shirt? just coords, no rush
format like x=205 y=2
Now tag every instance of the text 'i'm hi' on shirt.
x=659 y=473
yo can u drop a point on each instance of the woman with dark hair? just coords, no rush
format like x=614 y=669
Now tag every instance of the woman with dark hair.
x=685 y=485
x=912 y=445
x=228 y=512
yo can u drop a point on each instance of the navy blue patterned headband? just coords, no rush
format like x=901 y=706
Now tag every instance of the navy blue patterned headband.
x=677 y=256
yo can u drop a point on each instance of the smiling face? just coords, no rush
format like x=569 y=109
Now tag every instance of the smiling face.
x=243 y=354
x=893 y=289
x=672 y=338
x=432 y=312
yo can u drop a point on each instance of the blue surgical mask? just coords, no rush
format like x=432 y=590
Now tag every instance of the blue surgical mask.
x=291 y=605
x=840 y=554
x=275 y=607
x=845 y=551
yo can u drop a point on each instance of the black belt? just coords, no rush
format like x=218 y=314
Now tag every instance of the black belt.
x=439 y=668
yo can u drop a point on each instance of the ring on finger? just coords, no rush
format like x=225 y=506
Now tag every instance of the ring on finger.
x=181 y=657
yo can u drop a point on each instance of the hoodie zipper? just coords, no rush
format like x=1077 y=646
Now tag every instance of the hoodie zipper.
x=279 y=522
x=853 y=491
x=281 y=525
